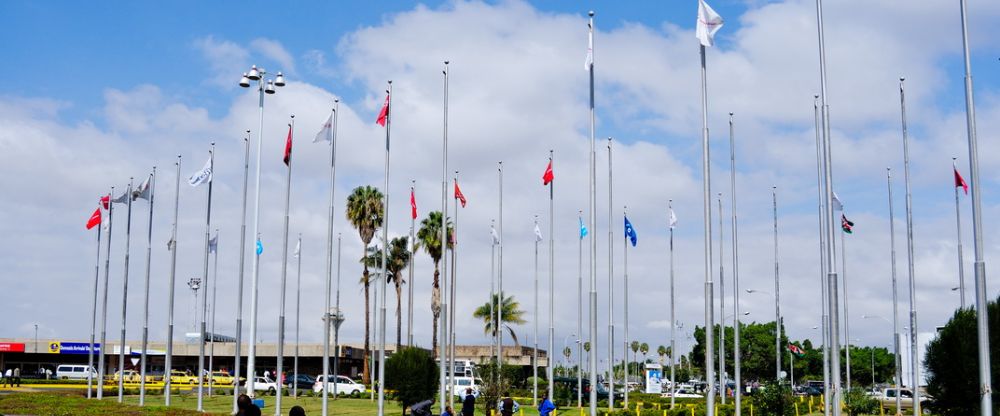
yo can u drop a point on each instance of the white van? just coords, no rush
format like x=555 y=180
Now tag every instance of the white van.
x=344 y=385
x=462 y=383
x=74 y=372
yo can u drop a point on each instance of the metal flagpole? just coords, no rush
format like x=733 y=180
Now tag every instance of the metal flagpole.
x=738 y=394
x=298 y=309
x=822 y=255
x=338 y=319
x=847 y=310
x=722 y=312
x=204 y=299
x=215 y=280
x=593 y=230
x=493 y=320
x=534 y=350
x=982 y=326
x=777 y=288
x=914 y=361
x=895 y=308
x=280 y=370
x=172 y=246
x=145 y=315
x=444 y=398
x=579 y=316
x=385 y=251
x=93 y=316
x=104 y=302
x=499 y=308
x=552 y=287
x=239 y=290
x=454 y=289
x=707 y=212
x=828 y=226
x=409 y=299
x=611 y=290
x=625 y=315
x=329 y=262
x=958 y=231
x=121 y=345
x=673 y=319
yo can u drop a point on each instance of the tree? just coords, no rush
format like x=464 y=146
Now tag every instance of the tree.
x=661 y=351
x=952 y=362
x=429 y=236
x=510 y=313
x=412 y=373
x=396 y=261
x=775 y=399
x=365 y=208
x=644 y=349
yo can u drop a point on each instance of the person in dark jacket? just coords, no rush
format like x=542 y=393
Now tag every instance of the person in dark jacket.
x=506 y=405
x=422 y=409
x=469 y=404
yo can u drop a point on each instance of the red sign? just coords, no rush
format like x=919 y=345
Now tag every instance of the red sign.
x=11 y=347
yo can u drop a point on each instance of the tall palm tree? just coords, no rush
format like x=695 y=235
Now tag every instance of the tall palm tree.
x=429 y=237
x=396 y=261
x=365 y=211
x=510 y=313
x=644 y=349
x=661 y=351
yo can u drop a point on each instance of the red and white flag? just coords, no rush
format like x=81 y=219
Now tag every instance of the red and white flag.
x=413 y=205
x=288 y=146
x=383 y=115
x=458 y=194
x=105 y=200
x=95 y=218
x=959 y=181
x=547 y=177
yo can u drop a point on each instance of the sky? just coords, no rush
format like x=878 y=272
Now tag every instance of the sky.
x=98 y=94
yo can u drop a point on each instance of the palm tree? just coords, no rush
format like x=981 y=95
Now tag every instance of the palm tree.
x=365 y=211
x=661 y=351
x=510 y=313
x=644 y=349
x=396 y=261
x=429 y=237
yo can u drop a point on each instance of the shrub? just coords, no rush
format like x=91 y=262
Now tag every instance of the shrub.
x=775 y=399
x=413 y=374
x=859 y=403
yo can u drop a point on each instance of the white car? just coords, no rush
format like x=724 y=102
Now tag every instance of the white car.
x=75 y=372
x=265 y=384
x=344 y=385
x=463 y=383
x=683 y=394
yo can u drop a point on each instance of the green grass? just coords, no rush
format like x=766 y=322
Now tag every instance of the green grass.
x=56 y=404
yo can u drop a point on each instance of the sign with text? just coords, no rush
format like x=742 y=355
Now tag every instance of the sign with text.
x=11 y=347
x=59 y=347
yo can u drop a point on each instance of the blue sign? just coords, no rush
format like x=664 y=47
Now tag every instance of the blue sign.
x=59 y=347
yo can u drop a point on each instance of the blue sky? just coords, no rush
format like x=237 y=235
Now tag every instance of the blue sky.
x=97 y=93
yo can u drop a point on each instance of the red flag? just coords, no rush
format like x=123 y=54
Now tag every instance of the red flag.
x=384 y=114
x=288 y=146
x=413 y=205
x=547 y=177
x=458 y=194
x=959 y=181
x=104 y=201
x=95 y=218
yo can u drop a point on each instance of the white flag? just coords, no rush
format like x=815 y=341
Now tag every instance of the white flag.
x=326 y=133
x=143 y=190
x=837 y=205
x=298 y=249
x=123 y=198
x=538 y=233
x=673 y=219
x=213 y=244
x=203 y=175
x=709 y=22
x=493 y=233
x=587 y=64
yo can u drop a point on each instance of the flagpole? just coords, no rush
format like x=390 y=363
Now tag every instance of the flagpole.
x=552 y=287
x=145 y=319
x=329 y=262
x=707 y=210
x=673 y=320
x=895 y=308
x=534 y=350
x=280 y=370
x=625 y=342
x=499 y=309
x=215 y=280
x=958 y=231
x=737 y=395
x=409 y=301
x=239 y=290
x=121 y=345
x=579 y=317
x=822 y=255
x=593 y=223
x=611 y=289
x=454 y=289
x=298 y=309
x=722 y=310
x=982 y=325
x=777 y=289
x=338 y=319
x=93 y=316
x=443 y=322
x=385 y=250
x=847 y=311
x=914 y=361
x=204 y=299
x=493 y=320
x=172 y=245
x=104 y=299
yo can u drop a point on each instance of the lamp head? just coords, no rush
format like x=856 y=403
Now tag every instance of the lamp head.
x=279 y=80
x=270 y=87
x=245 y=81
x=254 y=73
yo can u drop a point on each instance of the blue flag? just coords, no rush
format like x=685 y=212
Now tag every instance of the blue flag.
x=260 y=247
x=583 y=229
x=630 y=232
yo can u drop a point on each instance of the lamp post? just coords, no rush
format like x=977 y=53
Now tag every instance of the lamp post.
x=264 y=86
x=895 y=351
x=36 y=338
x=777 y=334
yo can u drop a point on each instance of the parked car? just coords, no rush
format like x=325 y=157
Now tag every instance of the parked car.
x=132 y=376
x=182 y=377
x=302 y=381
x=683 y=394
x=343 y=384
x=265 y=384
x=463 y=383
x=888 y=398
x=74 y=372
x=223 y=378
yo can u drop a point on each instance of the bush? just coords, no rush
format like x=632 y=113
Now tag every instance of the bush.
x=859 y=403
x=496 y=382
x=774 y=399
x=952 y=362
x=413 y=374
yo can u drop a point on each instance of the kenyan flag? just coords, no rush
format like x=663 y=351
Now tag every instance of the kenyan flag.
x=846 y=224
x=796 y=350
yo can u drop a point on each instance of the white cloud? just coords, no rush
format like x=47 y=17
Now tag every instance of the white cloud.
x=275 y=51
x=225 y=58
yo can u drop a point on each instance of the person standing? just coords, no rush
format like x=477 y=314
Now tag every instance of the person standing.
x=506 y=405
x=546 y=407
x=17 y=376
x=469 y=404
x=7 y=375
